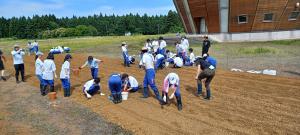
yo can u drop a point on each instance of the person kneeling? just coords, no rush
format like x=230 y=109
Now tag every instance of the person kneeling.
x=115 y=86
x=178 y=62
x=92 y=87
x=129 y=83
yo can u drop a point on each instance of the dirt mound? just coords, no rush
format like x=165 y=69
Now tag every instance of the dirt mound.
x=242 y=103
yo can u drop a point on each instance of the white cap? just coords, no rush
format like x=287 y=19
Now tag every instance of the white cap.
x=123 y=43
x=144 y=48
x=39 y=53
x=205 y=55
x=16 y=45
x=172 y=80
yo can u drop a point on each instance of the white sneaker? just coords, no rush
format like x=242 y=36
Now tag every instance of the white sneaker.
x=88 y=96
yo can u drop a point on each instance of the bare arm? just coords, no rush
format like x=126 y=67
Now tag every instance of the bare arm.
x=198 y=71
x=84 y=65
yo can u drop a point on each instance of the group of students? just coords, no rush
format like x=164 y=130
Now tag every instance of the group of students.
x=45 y=71
x=33 y=47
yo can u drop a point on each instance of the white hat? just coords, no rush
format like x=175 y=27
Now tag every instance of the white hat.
x=172 y=80
x=123 y=43
x=204 y=55
x=39 y=53
x=16 y=45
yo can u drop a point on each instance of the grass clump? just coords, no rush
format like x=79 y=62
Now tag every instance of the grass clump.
x=257 y=50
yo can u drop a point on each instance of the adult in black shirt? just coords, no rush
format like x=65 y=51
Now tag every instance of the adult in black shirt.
x=205 y=71
x=205 y=45
x=2 y=58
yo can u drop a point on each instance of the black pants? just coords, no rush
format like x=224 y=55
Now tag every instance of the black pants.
x=19 y=68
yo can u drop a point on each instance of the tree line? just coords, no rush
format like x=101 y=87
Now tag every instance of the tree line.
x=49 y=26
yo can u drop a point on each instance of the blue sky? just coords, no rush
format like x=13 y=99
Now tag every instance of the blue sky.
x=10 y=8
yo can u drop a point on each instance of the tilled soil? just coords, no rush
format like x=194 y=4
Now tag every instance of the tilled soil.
x=242 y=103
x=25 y=112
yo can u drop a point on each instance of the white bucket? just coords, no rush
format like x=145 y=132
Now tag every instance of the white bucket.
x=124 y=95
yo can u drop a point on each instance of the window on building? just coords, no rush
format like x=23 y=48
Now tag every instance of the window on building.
x=268 y=17
x=294 y=15
x=242 y=19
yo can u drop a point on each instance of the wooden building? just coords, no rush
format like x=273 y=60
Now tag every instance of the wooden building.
x=236 y=16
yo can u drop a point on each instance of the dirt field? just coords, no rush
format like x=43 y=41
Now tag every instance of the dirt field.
x=242 y=103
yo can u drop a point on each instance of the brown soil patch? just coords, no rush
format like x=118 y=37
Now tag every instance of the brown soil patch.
x=242 y=103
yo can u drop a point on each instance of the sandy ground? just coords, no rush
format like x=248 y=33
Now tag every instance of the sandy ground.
x=25 y=112
x=242 y=103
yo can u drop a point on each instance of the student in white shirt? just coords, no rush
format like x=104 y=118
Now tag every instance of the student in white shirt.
x=149 y=79
x=178 y=62
x=39 y=68
x=155 y=45
x=35 y=46
x=148 y=44
x=92 y=63
x=49 y=74
x=129 y=83
x=92 y=87
x=162 y=46
x=159 y=61
x=171 y=81
x=125 y=54
x=18 y=55
x=30 y=48
x=2 y=59
x=65 y=75
x=190 y=60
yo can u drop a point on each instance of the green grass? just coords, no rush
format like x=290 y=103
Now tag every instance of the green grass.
x=286 y=42
x=257 y=50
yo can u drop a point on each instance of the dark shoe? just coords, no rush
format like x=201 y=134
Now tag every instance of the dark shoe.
x=65 y=92
x=51 y=88
x=3 y=78
x=23 y=81
x=43 y=92
x=115 y=99
x=207 y=98
x=179 y=103
x=119 y=98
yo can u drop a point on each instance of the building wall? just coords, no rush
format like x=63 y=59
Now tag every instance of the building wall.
x=254 y=9
x=180 y=5
x=240 y=7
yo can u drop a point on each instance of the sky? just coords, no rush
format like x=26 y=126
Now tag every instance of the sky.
x=62 y=8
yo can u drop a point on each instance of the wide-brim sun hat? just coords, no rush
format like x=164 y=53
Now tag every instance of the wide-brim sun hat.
x=16 y=46
x=124 y=43
x=144 y=48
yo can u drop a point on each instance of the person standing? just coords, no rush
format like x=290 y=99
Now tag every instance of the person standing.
x=65 y=76
x=115 y=87
x=205 y=45
x=18 y=55
x=49 y=74
x=185 y=46
x=39 y=65
x=2 y=59
x=149 y=79
x=171 y=81
x=191 y=59
x=92 y=63
x=35 y=46
x=205 y=71
x=125 y=54
x=162 y=46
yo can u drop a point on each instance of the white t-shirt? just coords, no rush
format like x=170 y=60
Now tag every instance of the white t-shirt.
x=88 y=84
x=65 y=70
x=167 y=81
x=148 y=61
x=185 y=43
x=192 y=57
x=170 y=55
x=93 y=64
x=49 y=69
x=18 y=56
x=124 y=49
x=133 y=82
x=39 y=67
x=158 y=56
x=155 y=45
x=162 y=44
x=178 y=61
x=35 y=44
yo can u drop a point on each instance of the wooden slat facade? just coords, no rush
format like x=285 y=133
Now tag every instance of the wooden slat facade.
x=254 y=9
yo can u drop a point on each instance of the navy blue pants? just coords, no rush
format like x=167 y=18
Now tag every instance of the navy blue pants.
x=126 y=60
x=94 y=72
x=65 y=83
x=159 y=63
x=48 y=82
x=115 y=84
x=149 y=79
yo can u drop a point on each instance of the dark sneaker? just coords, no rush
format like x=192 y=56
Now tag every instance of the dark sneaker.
x=179 y=106
x=207 y=98
x=3 y=78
